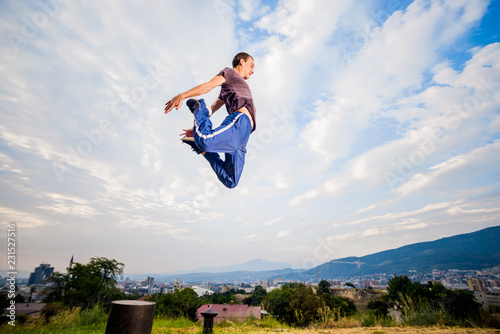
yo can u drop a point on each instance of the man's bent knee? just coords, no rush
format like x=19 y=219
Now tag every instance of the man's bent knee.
x=230 y=184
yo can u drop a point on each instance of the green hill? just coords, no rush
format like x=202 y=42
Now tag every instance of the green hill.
x=472 y=251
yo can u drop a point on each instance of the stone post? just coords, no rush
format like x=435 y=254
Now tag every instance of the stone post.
x=130 y=317
x=208 y=321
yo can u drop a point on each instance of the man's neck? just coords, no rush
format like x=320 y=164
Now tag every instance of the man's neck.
x=239 y=70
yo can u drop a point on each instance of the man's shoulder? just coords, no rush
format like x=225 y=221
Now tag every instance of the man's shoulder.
x=226 y=71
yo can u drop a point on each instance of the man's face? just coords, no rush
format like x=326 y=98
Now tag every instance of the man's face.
x=247 y=67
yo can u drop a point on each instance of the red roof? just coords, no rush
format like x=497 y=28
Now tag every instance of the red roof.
x=230 y=312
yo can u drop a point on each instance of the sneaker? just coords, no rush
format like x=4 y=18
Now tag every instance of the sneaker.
x=193 y=104
x=190 y=142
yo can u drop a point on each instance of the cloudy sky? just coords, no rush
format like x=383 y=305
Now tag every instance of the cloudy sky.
x=378 y=126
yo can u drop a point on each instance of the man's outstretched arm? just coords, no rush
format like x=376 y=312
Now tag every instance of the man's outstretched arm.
x=216 y=105
x=204 y=88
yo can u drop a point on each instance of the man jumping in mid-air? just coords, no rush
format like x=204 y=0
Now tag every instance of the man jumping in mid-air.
x=232 y=135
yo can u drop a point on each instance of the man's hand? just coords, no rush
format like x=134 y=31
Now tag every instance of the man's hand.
x=175 y=102
x=187 y=133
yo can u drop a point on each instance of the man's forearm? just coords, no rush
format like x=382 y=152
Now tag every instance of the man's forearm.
x=216 y=105
x=204 y=88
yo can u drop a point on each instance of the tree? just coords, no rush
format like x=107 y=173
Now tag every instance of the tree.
x=216 y=298
x=255 y=299
x=4 y=301
x=181 y=303
x=303 y=306
x=222 y=298
x=55 y=287
x=276 y=302
x=459 y=304
x=379 y=308
x=462 y=305
x=351 y=285
x=345 y=306
x=19 y=299
x=402 y=286
x=294 y=304
x=93 y=283
x=398 y=285
x=323 y=287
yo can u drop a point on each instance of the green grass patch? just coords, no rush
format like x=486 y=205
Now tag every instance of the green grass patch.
x=179 y=325
x=62 y=321
x=372 y=319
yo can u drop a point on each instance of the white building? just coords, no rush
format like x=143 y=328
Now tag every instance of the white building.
x=486 y=298
x=201 y=291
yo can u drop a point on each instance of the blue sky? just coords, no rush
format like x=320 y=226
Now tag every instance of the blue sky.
x=378 y=126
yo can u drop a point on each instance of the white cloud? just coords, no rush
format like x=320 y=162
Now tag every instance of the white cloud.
x=436 y=134
x=273 y=221
x=20 y=218
x=445 y=174
x=390 y=64
x=60 y=204
x=398 y=216
x=251 y=237
x=250 y=9
x=284 y=233
x=346 y=92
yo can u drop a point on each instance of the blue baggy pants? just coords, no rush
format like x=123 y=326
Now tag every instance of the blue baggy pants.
x=230 y=138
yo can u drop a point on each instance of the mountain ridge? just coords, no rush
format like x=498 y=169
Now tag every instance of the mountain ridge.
x=252 y=265
x=256 y=265
x=470 y=251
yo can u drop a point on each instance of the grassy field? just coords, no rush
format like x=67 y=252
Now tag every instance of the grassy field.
x=93 y=321
x=363 y=330
x=164 y=326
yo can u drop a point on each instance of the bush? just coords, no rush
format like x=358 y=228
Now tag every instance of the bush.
x=295 y=304
x=335 y=318
x=180 y=304
x=378 y=308
x=269 y=322
x=51 y=310
x=423 y=314
x=371 y=318
x=486 y=320
x=21 y=319
x=93 y=316
x=65 y=319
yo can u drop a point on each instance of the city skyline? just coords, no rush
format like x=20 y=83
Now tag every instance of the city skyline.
x=377 y=127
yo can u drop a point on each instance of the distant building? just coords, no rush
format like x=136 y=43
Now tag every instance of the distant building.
x=150 y=281
x=202 y=291
x=360 y=298
x=70 y=264
x=475 y=284
x=41 y=274
x=487 y=299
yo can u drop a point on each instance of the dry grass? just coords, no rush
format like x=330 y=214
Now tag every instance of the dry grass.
x=364 y=330
x=241 y=328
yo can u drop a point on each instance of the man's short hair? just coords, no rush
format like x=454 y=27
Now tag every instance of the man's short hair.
x=239 y=56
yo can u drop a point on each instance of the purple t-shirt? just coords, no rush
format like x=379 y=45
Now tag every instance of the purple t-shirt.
x=235 y=93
